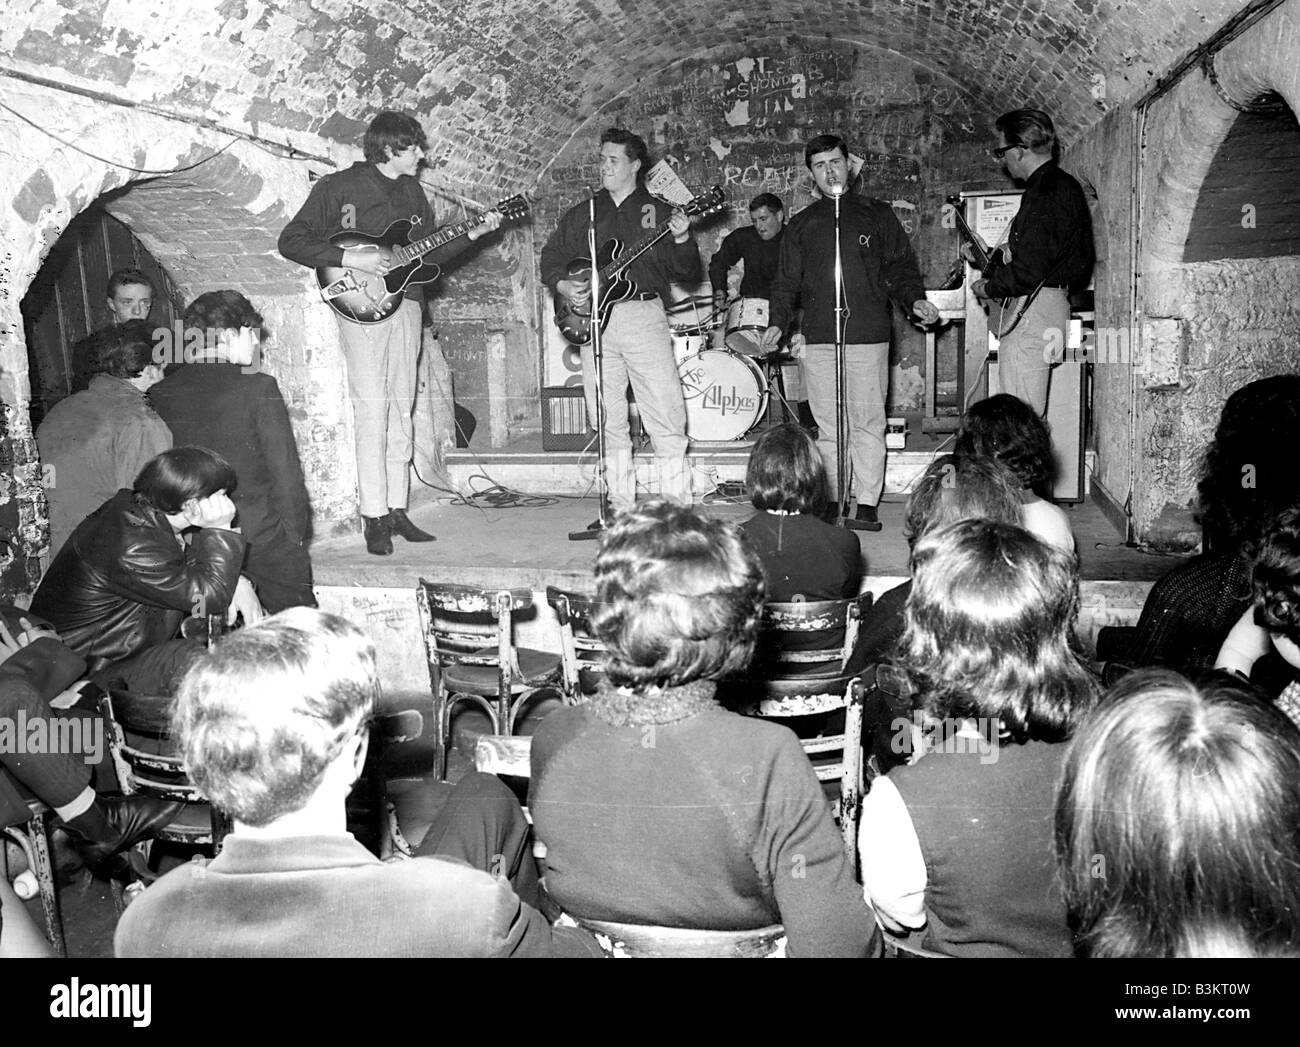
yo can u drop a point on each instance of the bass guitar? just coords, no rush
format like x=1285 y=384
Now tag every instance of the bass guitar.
x=365 y=298
x=614 y=261
x=1004 y=313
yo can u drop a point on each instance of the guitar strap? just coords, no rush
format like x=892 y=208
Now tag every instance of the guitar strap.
x=1029 y=298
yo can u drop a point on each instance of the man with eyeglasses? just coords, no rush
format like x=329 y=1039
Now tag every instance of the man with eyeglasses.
x=1049 y=250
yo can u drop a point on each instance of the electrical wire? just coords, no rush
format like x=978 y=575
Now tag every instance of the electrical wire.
x=115 y=163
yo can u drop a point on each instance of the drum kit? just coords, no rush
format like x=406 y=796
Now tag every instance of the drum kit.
x=723 y=385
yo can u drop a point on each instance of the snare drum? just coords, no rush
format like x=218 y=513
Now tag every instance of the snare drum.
x=746 y=322
x=685 y=345
x=724 y=392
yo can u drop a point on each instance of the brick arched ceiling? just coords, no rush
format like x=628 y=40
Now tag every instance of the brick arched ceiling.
x=502 y=84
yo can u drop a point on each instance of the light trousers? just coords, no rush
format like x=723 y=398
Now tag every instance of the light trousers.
x=866 y=382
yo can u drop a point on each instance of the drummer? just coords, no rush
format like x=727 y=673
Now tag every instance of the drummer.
x=758 y=246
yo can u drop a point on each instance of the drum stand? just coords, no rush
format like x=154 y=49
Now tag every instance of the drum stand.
x=598 y=358
x=774 y=364
x=843 y=463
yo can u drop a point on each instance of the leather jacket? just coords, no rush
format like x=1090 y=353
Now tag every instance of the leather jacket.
x=124 y=582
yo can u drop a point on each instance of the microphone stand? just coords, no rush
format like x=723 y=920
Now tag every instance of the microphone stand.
x=843 y=464
x=598 y=359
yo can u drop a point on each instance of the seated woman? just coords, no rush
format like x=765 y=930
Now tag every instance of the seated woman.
x=1006 y=428
x=1171 y=784
x=1189 y=611
x=1271 y=623
x=656 y=805
x=960 y=841
x=125 y=580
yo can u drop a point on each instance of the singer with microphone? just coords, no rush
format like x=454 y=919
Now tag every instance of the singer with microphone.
x=875 y=263
x=636 y=346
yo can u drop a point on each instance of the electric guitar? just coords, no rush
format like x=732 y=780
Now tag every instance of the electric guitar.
x=614 y=261
x=365 y=298
x=1004 y=313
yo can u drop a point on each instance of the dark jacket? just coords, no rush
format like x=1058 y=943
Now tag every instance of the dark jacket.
x=705 y=819
x=124 y=582
x=878 y=265
x=241 y=415
x=760 y=257
x=1050 y=237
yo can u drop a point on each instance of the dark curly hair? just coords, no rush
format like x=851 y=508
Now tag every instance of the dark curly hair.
x=1248 y=474
x=1276 y=576
x=1006 y=428
x=678 y=597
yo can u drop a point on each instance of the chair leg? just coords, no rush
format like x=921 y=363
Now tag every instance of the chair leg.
x=35 y=842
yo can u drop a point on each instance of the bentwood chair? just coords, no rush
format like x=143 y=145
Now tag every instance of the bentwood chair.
x=33 y=837
x=469 y=644
x=581 y=654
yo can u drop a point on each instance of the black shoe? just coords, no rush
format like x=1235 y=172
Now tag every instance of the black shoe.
x=379 y=535
x=400 y=524
x=112 y=826
x=865 y=519
x=596 y=525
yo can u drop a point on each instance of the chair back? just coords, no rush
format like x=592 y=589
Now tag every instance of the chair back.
x=581 y=653
x=784 y=622
x=459 y=621
x=161 y=775
x=639 y=941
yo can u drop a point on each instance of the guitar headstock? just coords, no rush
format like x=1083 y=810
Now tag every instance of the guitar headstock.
x=513 y=208
x=707 y=203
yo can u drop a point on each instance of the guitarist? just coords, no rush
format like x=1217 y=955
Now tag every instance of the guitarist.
x=1050 y=250
x=637 y=345
x=381 y=358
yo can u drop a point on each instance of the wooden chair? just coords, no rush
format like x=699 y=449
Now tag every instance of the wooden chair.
x=160 y=775
x=456 y=621
x=581 y=653
x=33 y=836
x=638 y=941
x=817 y=694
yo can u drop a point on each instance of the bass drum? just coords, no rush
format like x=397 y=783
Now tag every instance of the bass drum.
x=724 y=392
x=746 y=322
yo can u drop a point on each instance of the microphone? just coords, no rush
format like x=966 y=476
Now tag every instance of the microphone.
x=835 y=187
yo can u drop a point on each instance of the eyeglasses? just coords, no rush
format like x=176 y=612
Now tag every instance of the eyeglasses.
x=1002 y=151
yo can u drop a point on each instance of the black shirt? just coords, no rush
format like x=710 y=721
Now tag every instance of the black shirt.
x=1050 y=237
x=760 y=257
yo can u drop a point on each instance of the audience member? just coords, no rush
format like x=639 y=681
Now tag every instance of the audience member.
x=1248 y=476
x=1008 y=429
x=960 y=841
x=225 y=403
x=273 y=725
x=1272 y=621
x=659 y=807
x=130 y=297
x=1178 y=822
x=802 y=556
x=35 y=668
x=950 y=490
x=95 y=442
x=125 y=580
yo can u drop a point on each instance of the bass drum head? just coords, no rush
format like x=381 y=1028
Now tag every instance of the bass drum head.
x=724 y=393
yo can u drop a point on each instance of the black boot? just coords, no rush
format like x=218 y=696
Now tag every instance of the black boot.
x=401 y=525
x=379 y=535
x=112 y=826
x=866 y=519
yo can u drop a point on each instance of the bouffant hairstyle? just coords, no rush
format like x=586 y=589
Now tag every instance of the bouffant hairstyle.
x=123 y=350
x=961 y=487
x=785 y=472
x=989 y=630
x=1276 y=576
x=389 y=133
x=1006 y=428
x=1178 y=822
x=1248 y=474
x=172 y=478
x=1030 y=129
x=262 y=716
x=679 y=597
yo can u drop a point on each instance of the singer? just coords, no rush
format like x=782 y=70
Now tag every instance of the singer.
x=637 y=344
x=381 y=358
x=878 y=265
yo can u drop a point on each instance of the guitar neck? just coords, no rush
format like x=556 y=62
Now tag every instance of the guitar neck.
x=609 y=271
x=981 y=255
x=419 y=248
